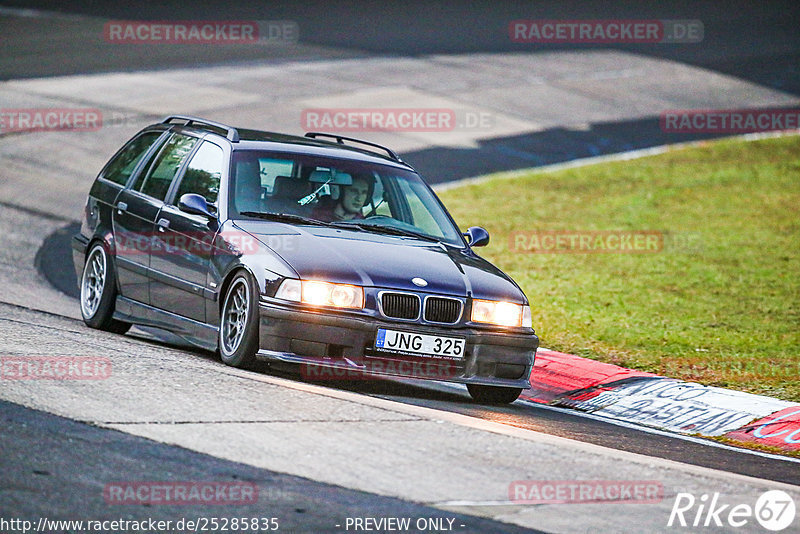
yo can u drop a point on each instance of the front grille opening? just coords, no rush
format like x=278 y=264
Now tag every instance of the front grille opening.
x=400 y=305
x=510 y=371
x=335 y=351
x=486 y=369
x=442 y=310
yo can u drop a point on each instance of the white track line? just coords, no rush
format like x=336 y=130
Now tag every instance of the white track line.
x=649 y=430
x=658 y=432
x=476 y=423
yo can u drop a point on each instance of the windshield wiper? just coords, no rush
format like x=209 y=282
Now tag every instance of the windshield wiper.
x=284 y=217
x=390 y=230
x=358 y=226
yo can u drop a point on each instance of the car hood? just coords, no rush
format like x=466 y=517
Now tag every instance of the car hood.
x=383 y=261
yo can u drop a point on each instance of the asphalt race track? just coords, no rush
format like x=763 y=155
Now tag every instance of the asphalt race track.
x=320 y=453
x=63 y=444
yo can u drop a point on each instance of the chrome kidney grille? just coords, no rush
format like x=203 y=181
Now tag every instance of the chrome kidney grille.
x=407 y=306
x=442 y=310
x=400 y=305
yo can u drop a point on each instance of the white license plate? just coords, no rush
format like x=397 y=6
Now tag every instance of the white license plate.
x=397 y=342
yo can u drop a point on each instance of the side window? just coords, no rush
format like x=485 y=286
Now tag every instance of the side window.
x=203 y=173
x=162 y=170
x=254 y=178
x=121 y=167
x=271 y=169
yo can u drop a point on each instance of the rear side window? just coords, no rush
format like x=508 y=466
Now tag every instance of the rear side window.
x=271 y=169
x=203 y=173
x=155 y=183
x=122 y=166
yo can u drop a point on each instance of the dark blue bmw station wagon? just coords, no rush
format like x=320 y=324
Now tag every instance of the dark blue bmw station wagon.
x=324 y=251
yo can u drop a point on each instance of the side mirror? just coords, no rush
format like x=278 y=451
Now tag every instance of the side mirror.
x=477 y=236
x=195 y=204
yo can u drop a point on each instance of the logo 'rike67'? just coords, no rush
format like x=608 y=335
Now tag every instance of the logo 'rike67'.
x=774 y=510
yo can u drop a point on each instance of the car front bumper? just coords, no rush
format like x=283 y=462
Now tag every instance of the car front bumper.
x=333 y=346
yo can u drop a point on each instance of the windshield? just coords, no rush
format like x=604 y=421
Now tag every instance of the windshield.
x=370 y=197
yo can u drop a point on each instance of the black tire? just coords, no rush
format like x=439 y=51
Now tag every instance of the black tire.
x=238 y=323
x=493 y=394
x=98 y=288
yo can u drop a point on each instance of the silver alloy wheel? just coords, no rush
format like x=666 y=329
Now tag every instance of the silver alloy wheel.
x=234 y=316
x=93 y=281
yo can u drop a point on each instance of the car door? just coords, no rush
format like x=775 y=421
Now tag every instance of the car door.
x=131 y=214
x=183 y=242
x=138 y=207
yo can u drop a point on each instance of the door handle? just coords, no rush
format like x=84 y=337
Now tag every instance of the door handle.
x=121 y=207
x=163 y=224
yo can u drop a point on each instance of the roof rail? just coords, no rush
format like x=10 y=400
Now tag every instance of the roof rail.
x=341 y=139
x=232 y=133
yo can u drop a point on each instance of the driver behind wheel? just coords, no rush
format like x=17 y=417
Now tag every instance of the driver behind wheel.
x=351 y=200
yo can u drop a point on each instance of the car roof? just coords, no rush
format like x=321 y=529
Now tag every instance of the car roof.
x=312 y=143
